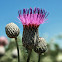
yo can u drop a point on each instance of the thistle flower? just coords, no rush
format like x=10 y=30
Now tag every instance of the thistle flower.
x=2 y=51
x=3 y=41
x=12 y=30
x=41 y=46
x=31 y=19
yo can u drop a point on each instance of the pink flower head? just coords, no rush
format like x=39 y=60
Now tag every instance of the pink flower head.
x=3 y=41
x=32 y=17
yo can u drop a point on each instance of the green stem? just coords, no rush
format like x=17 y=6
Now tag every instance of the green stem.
x=39 y=57
x=29 y=54
x=17 y=50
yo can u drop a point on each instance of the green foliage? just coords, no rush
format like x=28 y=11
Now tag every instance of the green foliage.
x=51 y=55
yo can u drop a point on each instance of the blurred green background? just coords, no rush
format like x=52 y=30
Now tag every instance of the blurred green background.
x=53 y=54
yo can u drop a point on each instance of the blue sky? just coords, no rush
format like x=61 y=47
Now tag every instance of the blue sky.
x=9 y=13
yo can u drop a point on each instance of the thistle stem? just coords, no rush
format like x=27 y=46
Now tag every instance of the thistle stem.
x=39 y=57
x=17 y=50
x=29 y=54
